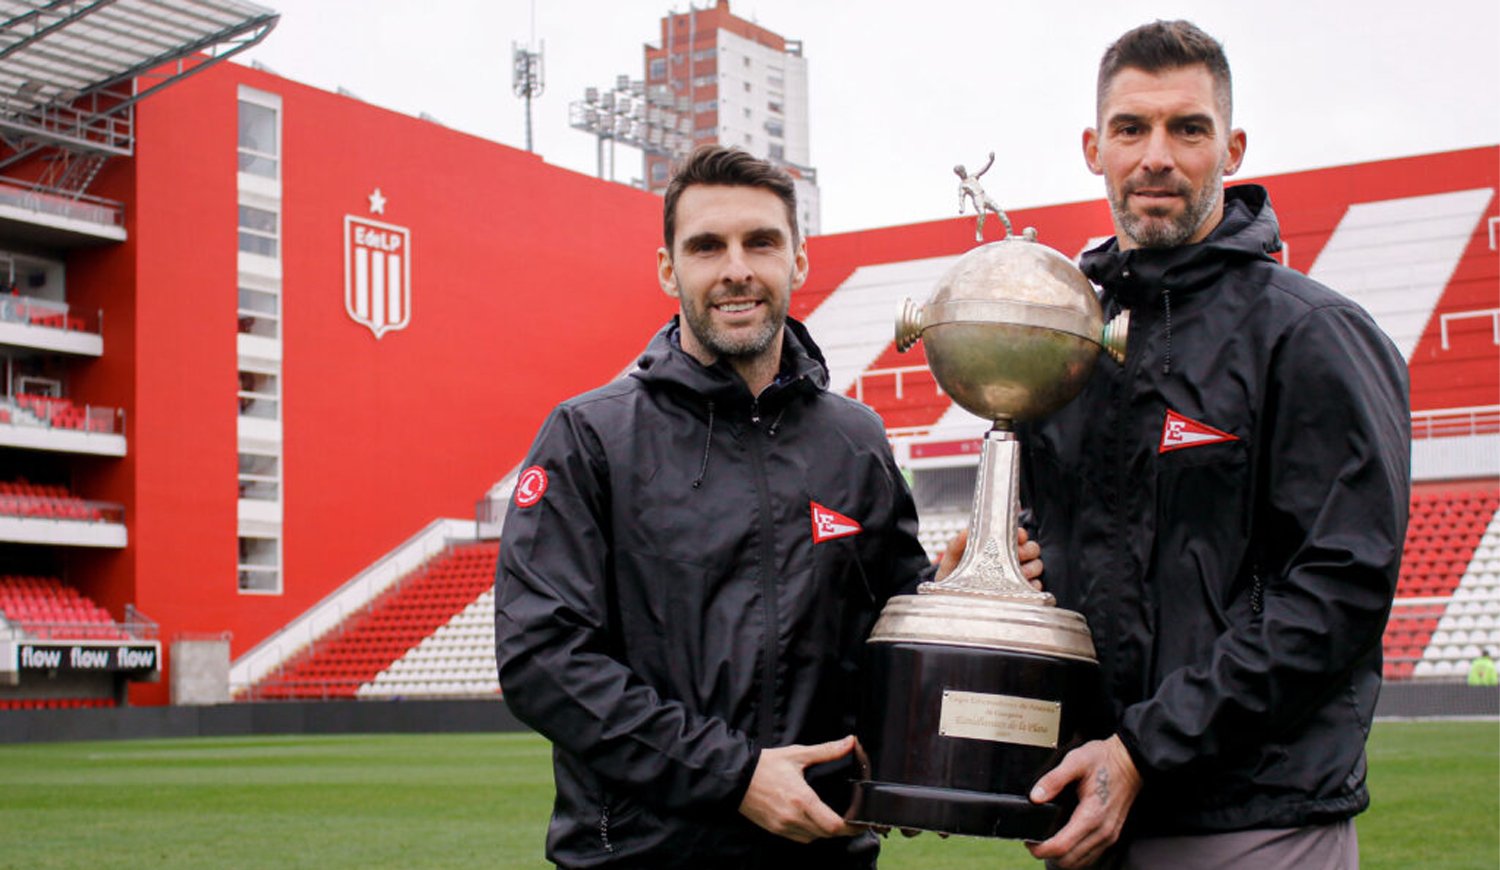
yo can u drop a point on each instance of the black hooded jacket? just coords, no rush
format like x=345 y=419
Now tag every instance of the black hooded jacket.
x=665 y=608
x=1228 y=509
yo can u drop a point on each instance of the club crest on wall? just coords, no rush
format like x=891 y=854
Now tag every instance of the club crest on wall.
x=377 y=271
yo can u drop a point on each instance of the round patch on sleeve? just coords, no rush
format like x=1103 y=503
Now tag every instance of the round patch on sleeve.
x=530 y=486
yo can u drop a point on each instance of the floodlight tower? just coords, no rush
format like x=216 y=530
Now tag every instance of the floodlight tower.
x=650 y=119
x=526 y=78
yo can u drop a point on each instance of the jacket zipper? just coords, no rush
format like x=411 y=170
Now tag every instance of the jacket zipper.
x=609 y=847
x=765 y=718
x=1124 y=386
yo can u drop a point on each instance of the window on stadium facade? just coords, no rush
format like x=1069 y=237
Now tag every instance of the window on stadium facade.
x=258 y=313
x=260 y=395
x=258 y=231
x=260 y=477
x=259 y=140
x=259 y=564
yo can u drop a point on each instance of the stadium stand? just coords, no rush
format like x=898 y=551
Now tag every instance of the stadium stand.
x=20 y=498
x=60 y=413
x=1448 y=597
x=28 y=310
x=55 y=703
x=46 y=608
x=938 y=529
x=57 y=321
x=902 y=390
x=371 y=641
x=433 y=635
x=457 y=660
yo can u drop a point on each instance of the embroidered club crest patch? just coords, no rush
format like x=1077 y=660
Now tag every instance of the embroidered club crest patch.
x=1179 y=432
x=828 y=525
x=531 y=485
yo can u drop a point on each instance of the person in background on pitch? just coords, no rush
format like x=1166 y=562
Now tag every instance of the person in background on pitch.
x=1227 y=508
x=1482 y=670
x=694 y=557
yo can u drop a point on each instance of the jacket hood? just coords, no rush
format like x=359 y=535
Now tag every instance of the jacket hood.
x=1248 y=231
x=664 y=362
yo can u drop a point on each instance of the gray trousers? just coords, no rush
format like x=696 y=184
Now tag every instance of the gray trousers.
x=1322 y=847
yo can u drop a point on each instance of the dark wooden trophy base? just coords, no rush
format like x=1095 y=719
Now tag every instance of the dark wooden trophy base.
x=919 y=778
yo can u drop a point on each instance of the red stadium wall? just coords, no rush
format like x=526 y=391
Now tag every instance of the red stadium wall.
x=184 y=440
x=1312 y=203
x=528 y=283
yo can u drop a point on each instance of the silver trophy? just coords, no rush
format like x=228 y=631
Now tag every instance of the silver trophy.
x=978 y=683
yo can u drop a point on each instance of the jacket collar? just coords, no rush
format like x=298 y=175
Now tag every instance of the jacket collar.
x=1249 y=231
x=664 y=362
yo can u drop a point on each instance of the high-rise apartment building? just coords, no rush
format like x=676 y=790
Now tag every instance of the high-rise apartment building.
x=746 y=86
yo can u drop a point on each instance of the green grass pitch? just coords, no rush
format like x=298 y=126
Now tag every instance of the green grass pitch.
x=482 y=800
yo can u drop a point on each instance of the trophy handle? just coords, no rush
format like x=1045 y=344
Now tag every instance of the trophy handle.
x=1114 y=335
x=909 y=325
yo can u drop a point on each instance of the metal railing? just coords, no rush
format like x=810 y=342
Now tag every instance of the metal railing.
x=50 y=413
x=1493 y=314
x=1456 y=422
x=899 y=373
x=67 y=509
x=31 y=197
x=31 y=311
x=134 y=627
x=300 y=689
x=274 y=653
x=489 y=516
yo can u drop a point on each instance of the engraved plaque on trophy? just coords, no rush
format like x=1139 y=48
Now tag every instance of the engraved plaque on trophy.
x=978 y=684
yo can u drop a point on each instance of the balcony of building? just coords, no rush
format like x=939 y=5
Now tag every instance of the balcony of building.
x=33 y=214
x=34 y=513
x=37 y=422
x=46 y=325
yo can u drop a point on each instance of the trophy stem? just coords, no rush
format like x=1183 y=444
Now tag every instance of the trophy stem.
x=990 y=567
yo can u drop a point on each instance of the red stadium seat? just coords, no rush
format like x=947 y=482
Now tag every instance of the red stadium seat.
x=339 y=663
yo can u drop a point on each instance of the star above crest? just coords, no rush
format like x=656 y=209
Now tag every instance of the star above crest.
x=377 y=202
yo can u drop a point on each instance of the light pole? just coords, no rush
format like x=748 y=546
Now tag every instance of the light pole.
x=526 y=78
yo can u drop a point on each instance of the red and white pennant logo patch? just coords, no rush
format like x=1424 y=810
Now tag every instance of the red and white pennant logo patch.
x=1179 y=432
x=828 y=525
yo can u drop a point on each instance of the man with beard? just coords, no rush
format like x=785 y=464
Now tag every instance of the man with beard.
x=1227 y=508
x=694 y=558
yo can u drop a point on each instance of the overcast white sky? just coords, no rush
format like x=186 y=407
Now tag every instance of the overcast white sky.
x=901 y=91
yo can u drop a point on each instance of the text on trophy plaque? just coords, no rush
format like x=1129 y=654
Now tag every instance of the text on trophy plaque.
x=1000 y=718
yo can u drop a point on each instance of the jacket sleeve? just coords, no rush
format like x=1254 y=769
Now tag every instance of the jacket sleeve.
x=1330 y=522
x=560 y=665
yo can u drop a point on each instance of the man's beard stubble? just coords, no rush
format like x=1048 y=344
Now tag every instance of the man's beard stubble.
x=1157 y=231
x=698 y=320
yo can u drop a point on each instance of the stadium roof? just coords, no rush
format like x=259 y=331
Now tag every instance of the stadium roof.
x=67 y=66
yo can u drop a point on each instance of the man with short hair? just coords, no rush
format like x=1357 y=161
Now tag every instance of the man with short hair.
x=699 y=551
x=1227 y=507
